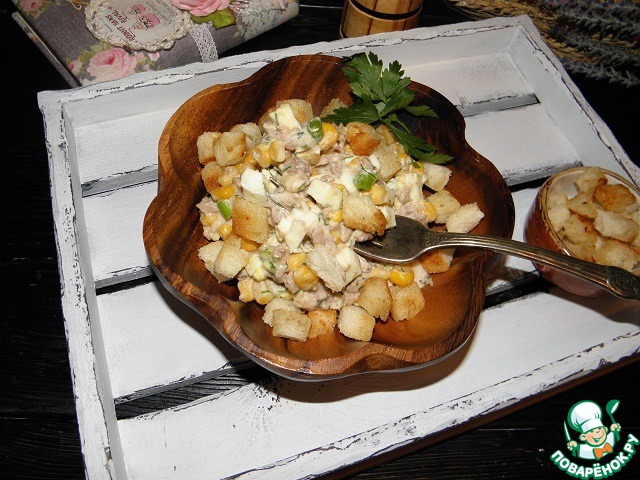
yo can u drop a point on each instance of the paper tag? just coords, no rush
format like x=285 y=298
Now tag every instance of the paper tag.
x=149 y=25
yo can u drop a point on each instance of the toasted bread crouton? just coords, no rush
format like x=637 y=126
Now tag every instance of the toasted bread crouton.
x=332 y=106
x=362 y=138
x=556 y=198
x=290 y=324
x=250 y=220
x=584 y=250
x=465 y=219
x=617 y=254
x=579 y=230
x=205 y=146
x=360 y=213
x=387 y=135
x=583 y=205
x=277 y=304
x=322 y=322
x=437 y=261
x=208 y=254
x=375 y=297
x=445 y=204
x=230 y=148
x=301 y=109
x=354 y=322
x=230 y=260
x=210 y=174
x=590 y=179
x=557 y=216
x=323 y=263
x=389 y=161
x=437 y=176
x=406 y=302
x=615 y=225
x=616 y=198
x=252 y=132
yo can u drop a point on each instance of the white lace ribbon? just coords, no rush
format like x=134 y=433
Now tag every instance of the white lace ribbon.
x=204 y=41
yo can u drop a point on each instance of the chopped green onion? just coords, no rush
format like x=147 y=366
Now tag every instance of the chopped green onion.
x=315 y=129
x=225 y=208
x=364 y=180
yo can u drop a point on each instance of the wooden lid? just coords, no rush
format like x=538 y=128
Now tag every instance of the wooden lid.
x=390 y=7
x=358 y=21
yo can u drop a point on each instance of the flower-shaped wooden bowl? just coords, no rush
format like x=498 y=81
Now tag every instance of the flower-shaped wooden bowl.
x=173 y=234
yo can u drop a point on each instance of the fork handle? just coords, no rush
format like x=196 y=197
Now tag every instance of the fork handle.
x=615 y=280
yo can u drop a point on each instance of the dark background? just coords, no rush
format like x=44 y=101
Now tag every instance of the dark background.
x=38 y=428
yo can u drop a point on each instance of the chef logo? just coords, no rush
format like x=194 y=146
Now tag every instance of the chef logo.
x=593 y=439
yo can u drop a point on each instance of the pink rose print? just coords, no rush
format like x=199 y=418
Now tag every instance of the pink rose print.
x=31 y=5
x=200 y=8
x=111 y=64
x=75 y=66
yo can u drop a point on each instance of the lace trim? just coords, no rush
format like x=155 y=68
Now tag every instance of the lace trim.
x=204 y=41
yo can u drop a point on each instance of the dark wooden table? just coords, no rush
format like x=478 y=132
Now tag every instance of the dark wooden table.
x=38 y=429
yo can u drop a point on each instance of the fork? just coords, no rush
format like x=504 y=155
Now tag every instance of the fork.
x=411 y=238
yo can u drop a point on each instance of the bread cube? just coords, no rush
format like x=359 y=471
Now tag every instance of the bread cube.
x=210 y=174
x=252 y=132
x=359 y=212
x=388 y=159
x=590 y=179
x=437 y=261
x=616 y=198
x=362 y=138
x=406 y=302
x=617 y=254
x=437 y=176
x=322 y=322
x=557 y=216
x=556 y=198
x=375 y=297
x=583 y=251
x=615 y=225
x=250 y=220
x=583 y=205
x=276 y=304
x=290 y=324
x=579 y=230
x=354 y=322
x=204 y=144
x=322 y=262
x=465 y=219
x=208 y=254
x=230 y=260
x=445 y=204
x=230 y=148
x=332 y=106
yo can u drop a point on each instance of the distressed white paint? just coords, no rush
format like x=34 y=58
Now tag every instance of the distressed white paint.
x=563 y=339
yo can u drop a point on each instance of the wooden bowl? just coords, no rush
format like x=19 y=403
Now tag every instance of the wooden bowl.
x=173 y=234
x=539 y=231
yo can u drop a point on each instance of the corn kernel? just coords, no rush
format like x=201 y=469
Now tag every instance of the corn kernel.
x=223 y=193
x=259 y=275
x=428 y=209
x=226 y=177
x=336 y=216
x=378 y=194
x=248 y=245
x=380 y=272
x=401 y=276
x=296 y=260
x=336 y=235
x=311 y=156
x=304 y=278
x=208 y=219
x=285 y=294
x=250 y=157
x=264 y=297
x=277 y=151
x=244 y=286
x=329 y=136
x=262 y=155
x=225 y=230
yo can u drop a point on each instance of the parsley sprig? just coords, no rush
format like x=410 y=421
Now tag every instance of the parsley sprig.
x=381 y=95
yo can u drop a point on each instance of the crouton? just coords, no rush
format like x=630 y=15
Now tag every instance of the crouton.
x=579 y=230
x=616 y=198
x=252 y=132
x=323 y=263
x=617 y=254
x=387 y=135
x=332 y=106
x=290 y=324
x=205 y=146
x=465 y=219
x=359 y=212
x=437 y=261
x=210 y=174
x=375 y=297
x=614 y=225
x=583 y=205
x=276 y=304
x=437 y=176
x=389 y=161
x=556 y=198
x=208 y=254
x=362 y=138
x=230 y=148
x=557 y=216
x=589 y=180
x=322 y=322
x=406 y=302
x=230 y=260
x=354 y=322
x=250 y=220
x=302 y=111
x=582 y=250
x=445 y=204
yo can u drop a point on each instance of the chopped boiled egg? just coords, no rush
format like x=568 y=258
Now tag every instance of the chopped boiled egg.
x=283 y=115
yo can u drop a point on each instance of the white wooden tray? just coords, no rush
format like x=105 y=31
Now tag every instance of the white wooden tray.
x=131 y=339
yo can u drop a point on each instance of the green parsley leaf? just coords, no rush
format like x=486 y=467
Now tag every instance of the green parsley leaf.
x=381 y=94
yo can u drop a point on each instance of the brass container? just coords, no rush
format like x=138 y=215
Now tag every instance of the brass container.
x=365 y=17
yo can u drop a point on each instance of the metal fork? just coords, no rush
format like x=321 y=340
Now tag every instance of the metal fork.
x=411 y=238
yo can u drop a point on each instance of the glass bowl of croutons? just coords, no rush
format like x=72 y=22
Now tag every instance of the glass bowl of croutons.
x=265 y=185
x=588 y=213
